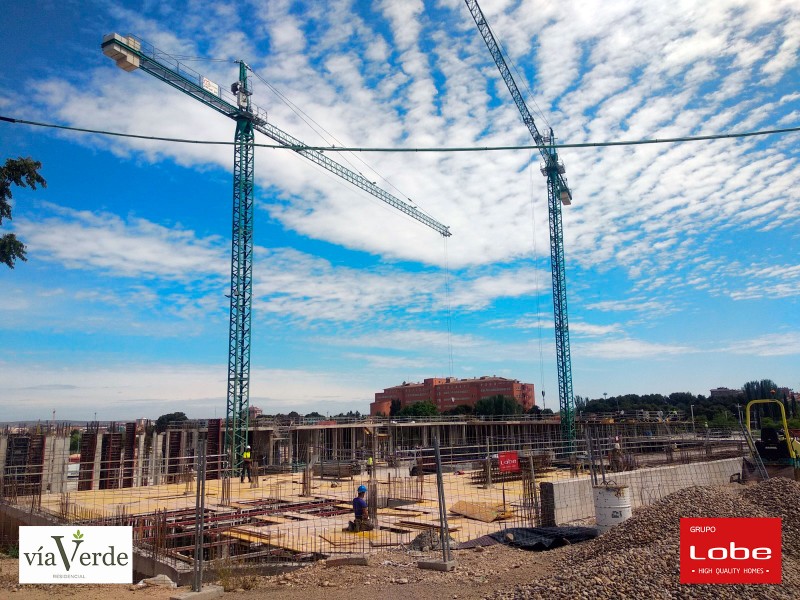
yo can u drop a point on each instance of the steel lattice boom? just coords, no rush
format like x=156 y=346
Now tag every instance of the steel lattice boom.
x=131 y=53
x=558 y=192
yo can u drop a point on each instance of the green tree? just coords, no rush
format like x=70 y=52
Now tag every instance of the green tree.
x=74 y=440
x=395 y=407
x=759 y=390
x=426 y=408
x=461 y=409
x=21 y=172
x=498 y=405
x=164 y=420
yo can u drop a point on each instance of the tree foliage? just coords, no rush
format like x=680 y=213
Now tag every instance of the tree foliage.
x=419 y=409
x=461 y=409
x=21 y=172
x=758 y=390
x=704 y=408
x=74 y=440
x=498 y=405
x=164 y=420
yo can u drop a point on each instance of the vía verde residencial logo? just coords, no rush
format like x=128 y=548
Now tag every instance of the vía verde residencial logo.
x=67 y=555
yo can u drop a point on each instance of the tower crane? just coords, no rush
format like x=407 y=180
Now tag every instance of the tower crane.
x=558 y=193
x=130 y=53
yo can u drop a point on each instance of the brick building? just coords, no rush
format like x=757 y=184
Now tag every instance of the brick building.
x=449 y=392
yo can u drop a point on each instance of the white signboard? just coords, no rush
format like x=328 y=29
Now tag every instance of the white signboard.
x=210 y=86
x=75 y=554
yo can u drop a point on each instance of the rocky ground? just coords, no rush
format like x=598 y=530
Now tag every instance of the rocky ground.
x=638 y=559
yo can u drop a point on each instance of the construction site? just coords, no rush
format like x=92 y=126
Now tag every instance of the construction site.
x=240 y=497
x=295 y=506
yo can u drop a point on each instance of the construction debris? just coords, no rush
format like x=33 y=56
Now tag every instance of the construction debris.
x=481 y=511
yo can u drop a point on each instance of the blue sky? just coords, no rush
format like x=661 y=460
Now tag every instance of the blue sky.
x=682 y=259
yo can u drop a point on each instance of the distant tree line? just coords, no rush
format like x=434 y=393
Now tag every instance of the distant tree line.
x=717 y=411
x=495 y=405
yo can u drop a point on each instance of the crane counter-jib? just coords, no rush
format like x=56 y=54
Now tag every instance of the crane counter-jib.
x=131 y=53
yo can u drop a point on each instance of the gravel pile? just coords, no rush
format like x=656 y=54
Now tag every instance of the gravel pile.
x=640 y=558
x=428 y=541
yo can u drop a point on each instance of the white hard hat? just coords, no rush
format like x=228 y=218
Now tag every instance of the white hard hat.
x=248 y=448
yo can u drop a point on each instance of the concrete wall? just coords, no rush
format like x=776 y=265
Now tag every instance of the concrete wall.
x=56 y=459
x=3 y=451
x=572 y=499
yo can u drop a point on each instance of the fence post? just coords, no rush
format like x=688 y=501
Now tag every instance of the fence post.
x=444 y=530
x=548 y=504
x=537 y=517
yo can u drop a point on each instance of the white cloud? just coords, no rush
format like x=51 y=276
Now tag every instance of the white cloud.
x=628 y=348
x=773 y=344
x=137 y=248
x=132 y=391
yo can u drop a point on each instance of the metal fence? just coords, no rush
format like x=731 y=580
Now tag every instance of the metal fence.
x=189 y=509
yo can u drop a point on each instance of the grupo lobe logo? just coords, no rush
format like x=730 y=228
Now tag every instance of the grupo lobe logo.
x=717 y=550
x=75 y=555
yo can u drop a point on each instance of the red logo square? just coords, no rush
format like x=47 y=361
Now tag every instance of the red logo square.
x=508 y=461
x=730 y=550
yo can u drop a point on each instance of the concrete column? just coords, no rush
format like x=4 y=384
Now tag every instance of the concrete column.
x=271 y=447
x=139 y=461
x=56 y=459
x=353 y=443
x=97 y=463
x=183 y=463
x=155 y=461
x=3 y=451
x=335 y=436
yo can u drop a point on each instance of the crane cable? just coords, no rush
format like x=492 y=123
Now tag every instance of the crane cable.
x=449 y=306
x=698 y=138
x=536 y=282
x=323 y=133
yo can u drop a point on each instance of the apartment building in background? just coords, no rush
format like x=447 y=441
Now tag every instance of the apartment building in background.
x=449 y=392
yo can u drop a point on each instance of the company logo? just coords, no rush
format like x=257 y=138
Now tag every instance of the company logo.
x=731 y=550
x=75 y=555
x=508 y=461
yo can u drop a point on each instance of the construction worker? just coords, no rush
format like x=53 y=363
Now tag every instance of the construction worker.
x=370 y=465
x=361 y=522
x=616 y=458
x=246 y=462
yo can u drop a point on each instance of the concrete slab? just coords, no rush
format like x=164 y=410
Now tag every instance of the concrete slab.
x=359 y=560
x=206 y=592
x=437 y=565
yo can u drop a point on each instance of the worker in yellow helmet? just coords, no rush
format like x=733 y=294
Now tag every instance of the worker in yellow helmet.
x=246 y=461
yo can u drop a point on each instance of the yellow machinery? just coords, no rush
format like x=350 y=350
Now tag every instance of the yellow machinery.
x=771 y=448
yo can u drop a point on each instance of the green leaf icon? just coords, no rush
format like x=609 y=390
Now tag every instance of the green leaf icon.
x=77 y=535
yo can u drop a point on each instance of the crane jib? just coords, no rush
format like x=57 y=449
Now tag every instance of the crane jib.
x=130 y=53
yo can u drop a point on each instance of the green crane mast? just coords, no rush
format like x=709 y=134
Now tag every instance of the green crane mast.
x=558 y=192
x=132 y=53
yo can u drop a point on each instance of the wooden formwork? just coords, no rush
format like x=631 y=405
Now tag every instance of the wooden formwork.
x=272 y=517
